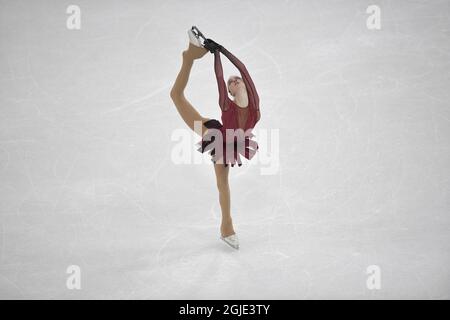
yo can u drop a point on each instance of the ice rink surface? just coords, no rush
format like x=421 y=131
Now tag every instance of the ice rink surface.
x=361 y=178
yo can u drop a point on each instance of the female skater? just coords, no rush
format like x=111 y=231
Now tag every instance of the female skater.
x=240 y=114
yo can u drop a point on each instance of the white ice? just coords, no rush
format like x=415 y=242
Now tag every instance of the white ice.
x=87 y=176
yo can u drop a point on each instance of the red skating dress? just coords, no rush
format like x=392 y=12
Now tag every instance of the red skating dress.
x=237 y=142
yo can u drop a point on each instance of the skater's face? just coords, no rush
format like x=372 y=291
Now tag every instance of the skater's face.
x=235 y=84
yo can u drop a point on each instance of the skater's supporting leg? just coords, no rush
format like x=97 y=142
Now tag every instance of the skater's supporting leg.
x=221 y=171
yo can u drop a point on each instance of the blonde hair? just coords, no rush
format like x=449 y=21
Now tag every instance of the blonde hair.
x=229 y=79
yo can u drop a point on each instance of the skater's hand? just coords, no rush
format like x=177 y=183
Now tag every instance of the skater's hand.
x=194 y=52
x=211 y=45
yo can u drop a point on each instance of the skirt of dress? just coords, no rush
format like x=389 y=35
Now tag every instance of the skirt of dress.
x=246 y=147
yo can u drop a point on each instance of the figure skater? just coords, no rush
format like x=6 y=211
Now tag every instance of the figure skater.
x=239 y=115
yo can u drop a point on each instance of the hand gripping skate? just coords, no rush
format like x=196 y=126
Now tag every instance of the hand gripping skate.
x=211 y=45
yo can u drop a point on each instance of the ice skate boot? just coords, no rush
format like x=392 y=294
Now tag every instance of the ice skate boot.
x=232 y=241
x=194 y=37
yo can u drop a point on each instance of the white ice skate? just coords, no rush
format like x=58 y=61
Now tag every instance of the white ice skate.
x=232 y=240
x=194 y=38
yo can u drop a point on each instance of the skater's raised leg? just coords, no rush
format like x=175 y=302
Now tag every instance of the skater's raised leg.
x=188 y=113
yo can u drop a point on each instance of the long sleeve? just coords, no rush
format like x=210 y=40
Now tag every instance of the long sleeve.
x=223 y=96
x=252 y=93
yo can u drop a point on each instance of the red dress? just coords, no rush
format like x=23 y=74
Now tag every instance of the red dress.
x=237 y=142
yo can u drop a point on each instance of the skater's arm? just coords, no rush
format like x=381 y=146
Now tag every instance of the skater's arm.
x=252 y=93
x=223 y=96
